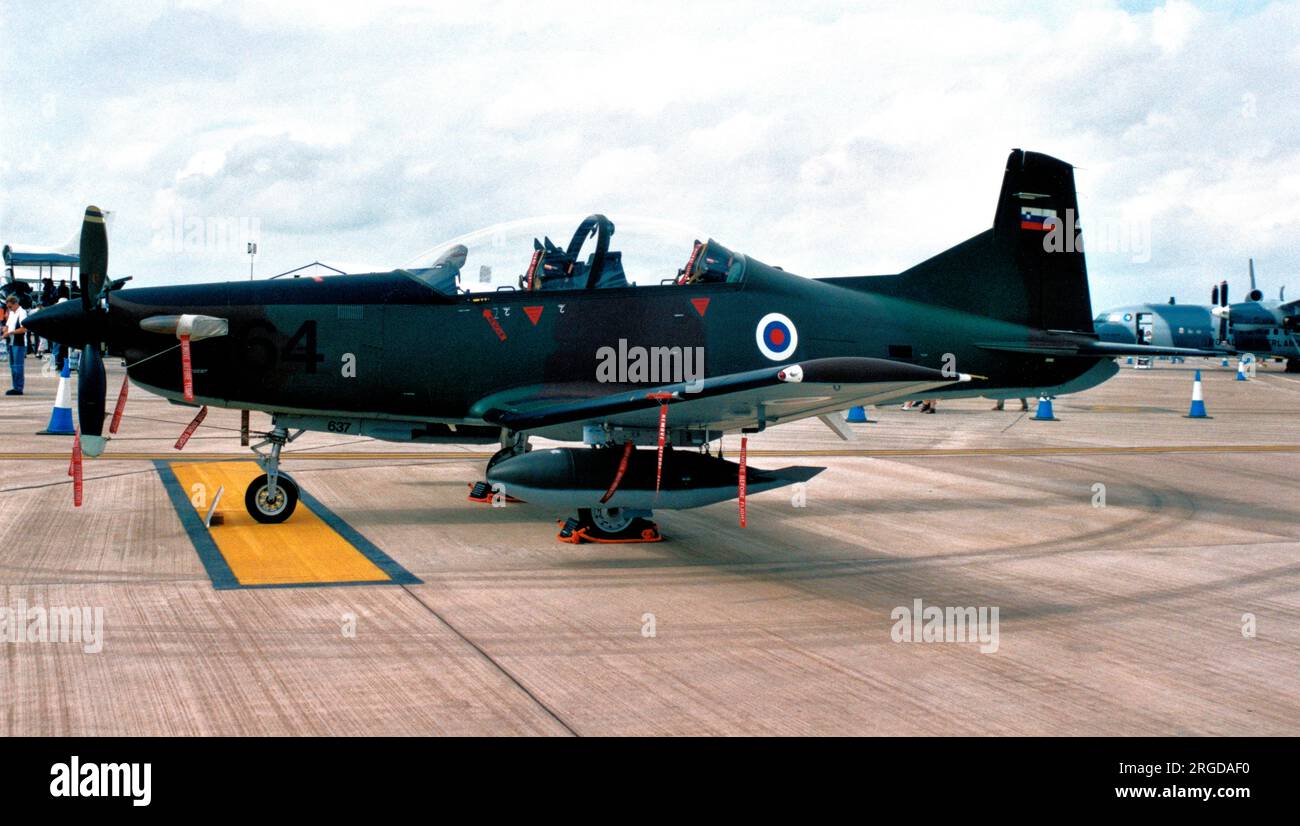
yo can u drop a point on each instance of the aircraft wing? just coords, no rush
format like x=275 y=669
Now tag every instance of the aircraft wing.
x=1090 y=348
x=752 y=399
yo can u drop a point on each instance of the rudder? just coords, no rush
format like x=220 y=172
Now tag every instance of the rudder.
x=1038 y=217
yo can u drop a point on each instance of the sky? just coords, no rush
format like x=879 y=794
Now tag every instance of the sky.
x=831 y=139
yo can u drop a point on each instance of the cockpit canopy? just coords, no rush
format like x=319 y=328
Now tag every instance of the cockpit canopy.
x=521 y=256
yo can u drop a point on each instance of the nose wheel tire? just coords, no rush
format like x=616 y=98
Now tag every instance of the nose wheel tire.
x=271 y=509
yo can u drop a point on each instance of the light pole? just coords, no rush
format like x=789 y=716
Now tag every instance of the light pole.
x=252 y=253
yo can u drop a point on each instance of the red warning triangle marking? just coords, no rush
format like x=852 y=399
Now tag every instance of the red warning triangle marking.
x=534 y=313
x=701 y=304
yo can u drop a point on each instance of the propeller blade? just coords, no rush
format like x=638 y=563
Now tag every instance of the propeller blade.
x=1214 y=296
x=91 y=390
x=1252 y=275
x=1223 y=318
x=94 y=257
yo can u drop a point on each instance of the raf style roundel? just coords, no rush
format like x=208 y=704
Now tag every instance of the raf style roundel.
x=776 y=336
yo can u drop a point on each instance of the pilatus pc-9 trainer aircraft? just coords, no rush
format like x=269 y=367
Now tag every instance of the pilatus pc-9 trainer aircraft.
x=412 y=355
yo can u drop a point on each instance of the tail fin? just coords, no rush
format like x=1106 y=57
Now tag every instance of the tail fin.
x=1028 y=269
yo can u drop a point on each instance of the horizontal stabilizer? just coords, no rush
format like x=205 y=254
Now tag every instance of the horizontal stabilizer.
x=1088 y=348
x=794 y=473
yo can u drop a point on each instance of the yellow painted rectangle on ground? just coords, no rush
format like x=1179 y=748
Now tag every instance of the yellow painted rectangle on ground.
x=303 y=550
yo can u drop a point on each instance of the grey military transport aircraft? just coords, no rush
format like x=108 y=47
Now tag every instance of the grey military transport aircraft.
x=568 y=354
x=1268 y=329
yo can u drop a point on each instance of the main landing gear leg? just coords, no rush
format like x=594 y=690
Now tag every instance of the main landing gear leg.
x=272 y=497
x=609 y=525
x=512 y=444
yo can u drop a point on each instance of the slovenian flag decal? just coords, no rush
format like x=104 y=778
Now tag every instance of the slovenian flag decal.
x=1037 y=218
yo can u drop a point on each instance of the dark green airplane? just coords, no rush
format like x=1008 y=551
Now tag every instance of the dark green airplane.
x=577 y=354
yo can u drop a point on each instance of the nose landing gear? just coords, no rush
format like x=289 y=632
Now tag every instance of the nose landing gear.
x=272 y=497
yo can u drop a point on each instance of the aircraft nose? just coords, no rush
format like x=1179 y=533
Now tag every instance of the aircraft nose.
x=65 y=323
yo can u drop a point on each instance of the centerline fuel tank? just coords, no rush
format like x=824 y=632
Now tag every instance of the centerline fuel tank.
x=580 y=477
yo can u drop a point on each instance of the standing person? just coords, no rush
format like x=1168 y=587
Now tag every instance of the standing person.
x=4 y=315
x=48 y=296
x=33 y=340
x=1002 y=404
x=16 y=335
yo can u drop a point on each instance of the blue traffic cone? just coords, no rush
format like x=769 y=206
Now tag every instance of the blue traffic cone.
x=1198 y=401
x=1044 y=411
x=1241 y=370
x=61 y=416
x=857 y=415
x=1225 y=362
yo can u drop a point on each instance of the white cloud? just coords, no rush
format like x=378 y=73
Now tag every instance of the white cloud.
x=616 y=170
x=1172 y=24
x=205 y=162
x=732 y=138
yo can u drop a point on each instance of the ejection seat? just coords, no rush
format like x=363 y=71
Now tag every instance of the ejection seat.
x=710 y=263
x=444 y=275
x=553 y=268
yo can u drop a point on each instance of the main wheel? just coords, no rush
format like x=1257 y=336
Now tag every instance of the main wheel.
x=268 y=509
x=608 y=525
x=610 y=520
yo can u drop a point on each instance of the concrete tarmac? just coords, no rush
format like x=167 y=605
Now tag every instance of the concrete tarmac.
x=1165 y=602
